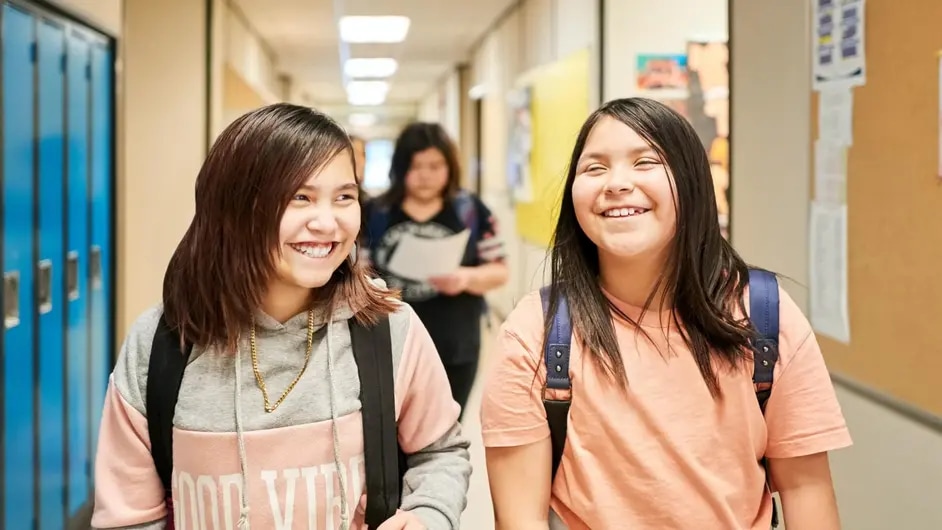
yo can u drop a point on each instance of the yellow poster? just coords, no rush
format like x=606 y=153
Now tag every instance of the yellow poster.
x=560 y=104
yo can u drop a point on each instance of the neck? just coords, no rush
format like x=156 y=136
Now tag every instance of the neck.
x=282 y=302
x=633 y=280
x=425 y=204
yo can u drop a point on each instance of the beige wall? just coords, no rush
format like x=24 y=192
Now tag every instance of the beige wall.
x=105 y=14
x=890 y=478
x=164 y=115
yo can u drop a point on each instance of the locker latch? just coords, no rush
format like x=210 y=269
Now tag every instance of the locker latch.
x=11 y=299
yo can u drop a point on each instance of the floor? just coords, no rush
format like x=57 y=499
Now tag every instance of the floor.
x=479 y=515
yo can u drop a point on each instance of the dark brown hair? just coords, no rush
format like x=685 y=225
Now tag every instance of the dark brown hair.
x=219 y=272
x=704 y=278
x=415 y=138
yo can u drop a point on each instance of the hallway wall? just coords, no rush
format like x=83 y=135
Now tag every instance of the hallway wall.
x=890 y=477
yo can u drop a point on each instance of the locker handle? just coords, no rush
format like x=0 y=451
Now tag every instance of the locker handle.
x=94 y=267
x=44 y=286
x=71 y=275
x=11 y=299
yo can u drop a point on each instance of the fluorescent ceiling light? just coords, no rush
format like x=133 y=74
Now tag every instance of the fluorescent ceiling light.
x=367 y=92
x=378 y=67
x=374 y=29
x=362 y=119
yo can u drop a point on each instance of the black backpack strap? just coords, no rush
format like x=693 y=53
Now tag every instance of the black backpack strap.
x=556 y=358
x=164 y=375
x=372 y=350
x=763 y=312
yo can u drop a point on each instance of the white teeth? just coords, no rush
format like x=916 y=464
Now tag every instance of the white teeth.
x=624 y=212
x=314 y=250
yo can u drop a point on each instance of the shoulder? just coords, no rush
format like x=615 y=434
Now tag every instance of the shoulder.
x=130 y=371
x=524 y=324
x=794 y=327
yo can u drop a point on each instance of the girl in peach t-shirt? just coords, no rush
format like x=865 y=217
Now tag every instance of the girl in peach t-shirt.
x=664 y=428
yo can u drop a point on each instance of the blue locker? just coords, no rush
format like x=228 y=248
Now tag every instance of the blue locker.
x=50 y=275
x=18 y=262
x=79 y=420
x=100 y=252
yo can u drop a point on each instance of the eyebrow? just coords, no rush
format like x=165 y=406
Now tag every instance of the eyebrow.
x=636 y=151
x=342 y=187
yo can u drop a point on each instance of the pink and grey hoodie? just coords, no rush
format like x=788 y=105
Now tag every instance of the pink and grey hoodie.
x=299 y=467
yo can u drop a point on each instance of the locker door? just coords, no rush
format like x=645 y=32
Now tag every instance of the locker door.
x=77 y=73
x=18 y=262
x=50 y=272
x=100 y=251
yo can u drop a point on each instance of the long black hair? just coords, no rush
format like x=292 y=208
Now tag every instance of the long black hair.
x=415 y=138
x=704 y=278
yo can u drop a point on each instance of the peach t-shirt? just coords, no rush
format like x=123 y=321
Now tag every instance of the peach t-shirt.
x=664 y=455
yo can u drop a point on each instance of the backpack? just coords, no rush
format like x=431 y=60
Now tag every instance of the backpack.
x=763 y=313
x=385 y=461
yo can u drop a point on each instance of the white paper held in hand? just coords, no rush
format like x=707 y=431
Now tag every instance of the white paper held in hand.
x=420 y=258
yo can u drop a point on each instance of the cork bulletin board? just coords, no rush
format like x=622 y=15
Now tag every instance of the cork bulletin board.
x=894 y=210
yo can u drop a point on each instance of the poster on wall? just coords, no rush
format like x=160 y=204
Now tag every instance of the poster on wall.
x=838 y=43
x=519 y=180
x=661 y=72
x=707 y=109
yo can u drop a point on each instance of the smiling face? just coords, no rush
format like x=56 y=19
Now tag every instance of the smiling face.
x=319 y=226
x=622 y=194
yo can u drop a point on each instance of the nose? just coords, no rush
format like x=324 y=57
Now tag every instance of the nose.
x=621 y=180
x=322 y=220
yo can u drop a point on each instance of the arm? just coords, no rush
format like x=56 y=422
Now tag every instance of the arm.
x=439 y=467
x=804 y=422
x=486 y=277
x=513 y=423
x=492 y=271
x=128 y=492
x=804 y=483
x=520 y=488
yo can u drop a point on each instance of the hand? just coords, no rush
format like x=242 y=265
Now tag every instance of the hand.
x=402 y=521
x=452 y=284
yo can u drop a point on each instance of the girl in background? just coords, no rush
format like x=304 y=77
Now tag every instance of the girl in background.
x=424 y=199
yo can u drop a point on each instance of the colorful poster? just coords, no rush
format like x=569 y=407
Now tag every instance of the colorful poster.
x=707 y=109
x=519 y=180
x=661 y=72
x=838 y=43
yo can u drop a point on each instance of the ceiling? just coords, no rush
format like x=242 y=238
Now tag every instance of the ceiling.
x=304 y=37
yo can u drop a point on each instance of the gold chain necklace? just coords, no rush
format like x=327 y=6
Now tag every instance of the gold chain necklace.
x=307 y=357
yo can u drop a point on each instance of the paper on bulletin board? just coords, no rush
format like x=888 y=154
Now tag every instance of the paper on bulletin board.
x=830 y=172
x=940 y=116
x=836 y=115
x=838 y=43
x=829 y=304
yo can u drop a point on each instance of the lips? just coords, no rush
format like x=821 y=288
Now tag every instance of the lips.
x=630 y=211
x=314 y=250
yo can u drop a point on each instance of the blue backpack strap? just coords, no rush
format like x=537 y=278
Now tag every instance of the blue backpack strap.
x=556 y=357
x=376 y=223
x=468 y=213
x=763 y=312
